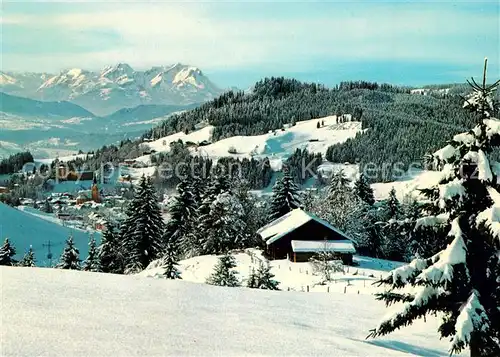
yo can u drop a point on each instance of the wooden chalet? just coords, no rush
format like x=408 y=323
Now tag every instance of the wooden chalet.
x=299 y=235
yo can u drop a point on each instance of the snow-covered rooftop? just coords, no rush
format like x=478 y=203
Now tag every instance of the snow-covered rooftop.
x=289 y=222
x=337 y=246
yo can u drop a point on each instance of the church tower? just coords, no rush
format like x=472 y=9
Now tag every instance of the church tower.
x=95 y=191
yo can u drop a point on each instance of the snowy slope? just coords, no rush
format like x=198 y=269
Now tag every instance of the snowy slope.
x=24 y=229
x=197 y=136
x=408 y=185
x=68 y=313
x=304 y=135
x=276 y=145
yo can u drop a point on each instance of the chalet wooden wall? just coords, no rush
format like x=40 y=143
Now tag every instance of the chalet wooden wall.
x=312 y=230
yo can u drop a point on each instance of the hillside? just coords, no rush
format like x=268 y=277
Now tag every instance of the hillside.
x=277 y=145
x=70 y=313
x=143 y=116
x=50 y=129
x=29 y=107
x=402 y=127
x=24 y=229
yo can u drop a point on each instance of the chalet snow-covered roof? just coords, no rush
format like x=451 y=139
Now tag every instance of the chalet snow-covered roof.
x=289 y=222
x=313 y=246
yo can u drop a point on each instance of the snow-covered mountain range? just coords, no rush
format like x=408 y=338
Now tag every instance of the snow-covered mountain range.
x=114 y=87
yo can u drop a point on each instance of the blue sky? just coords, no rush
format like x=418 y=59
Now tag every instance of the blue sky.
x=237 y=43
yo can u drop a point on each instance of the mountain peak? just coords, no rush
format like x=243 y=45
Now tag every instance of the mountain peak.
x=6 y=79
x=117 y=70
x=74 y=72
x=119 y=86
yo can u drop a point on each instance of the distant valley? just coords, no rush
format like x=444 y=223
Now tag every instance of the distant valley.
x=53 y=115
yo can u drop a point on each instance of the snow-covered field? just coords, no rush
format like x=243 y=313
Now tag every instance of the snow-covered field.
x=281 y=144
x=408 y=185
x=276 y=145
x=62 y=158
x=292 y=276
x=68 y=313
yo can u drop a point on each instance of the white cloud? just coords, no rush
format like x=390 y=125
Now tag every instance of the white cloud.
x=195 y=33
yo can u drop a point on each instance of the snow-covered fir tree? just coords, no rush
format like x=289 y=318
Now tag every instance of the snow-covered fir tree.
x=426 y=235
x=339 y=204
x=368 y=230
x=222 y=228
x=286 y=196
x=252 y=279
x=70 y=258
x=183 y=216
x=254 y=213
x=262 y=278
x=363 y=190
x=28 y=259
x=109 y=252
x=143 y=229
x=338 y=183
x=170 y=260
x=223 y=274
x=395 y=229
x=92 y=261
x=462 y=281
x=393 y=205
x=7 y=252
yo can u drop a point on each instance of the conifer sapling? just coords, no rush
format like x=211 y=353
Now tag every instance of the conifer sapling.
x=92 y=261
x=223 y=274
x=28 y=259
x=7 y=251
x=70 y=258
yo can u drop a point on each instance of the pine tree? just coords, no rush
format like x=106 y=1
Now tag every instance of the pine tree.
x=169 y=260
x=47 y=207
x=222 y=228
x=369 y=236
x=263 y=278
x=363 y=190
x=252 y=281
x=338 y=182
x=28 y=259
x=109 y=252
x=223 y=274
x=423 y=234
x=143 y=229
x=92 y=261
x=7 y=251
x=285 y=196
x=253 y=217
x=70 y=258
x=183 y=216
x=461 y=281
x=395 y=230
x=393 y=206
